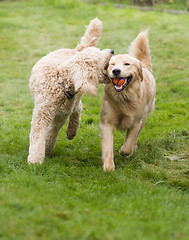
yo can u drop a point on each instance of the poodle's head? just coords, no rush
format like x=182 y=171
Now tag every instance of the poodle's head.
x=87 y=69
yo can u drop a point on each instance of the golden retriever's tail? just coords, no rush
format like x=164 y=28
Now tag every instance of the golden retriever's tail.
x=91 y=36
x=140 y=49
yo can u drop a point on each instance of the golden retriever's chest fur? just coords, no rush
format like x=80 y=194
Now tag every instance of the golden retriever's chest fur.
x=124 y=122
x=124 y=110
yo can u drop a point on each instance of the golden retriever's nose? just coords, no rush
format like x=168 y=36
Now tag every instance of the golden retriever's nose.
x=116 y=71
x=112 y=51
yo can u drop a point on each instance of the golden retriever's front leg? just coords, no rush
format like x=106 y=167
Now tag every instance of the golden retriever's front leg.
x=107 y=146
x=130 y=143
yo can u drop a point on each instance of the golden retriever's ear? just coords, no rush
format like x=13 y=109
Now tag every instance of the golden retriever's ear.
x=140 y=72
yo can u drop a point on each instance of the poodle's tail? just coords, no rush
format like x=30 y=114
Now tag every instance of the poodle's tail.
x=140 y=49
x=91 y=36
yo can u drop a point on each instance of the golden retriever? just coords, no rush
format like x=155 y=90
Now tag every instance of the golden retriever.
x=128 y=98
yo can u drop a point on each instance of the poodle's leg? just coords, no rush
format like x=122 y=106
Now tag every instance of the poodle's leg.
x=53 y=131
x=107 y=146
x=130 y=143
x=74 y=120
x=42 y=117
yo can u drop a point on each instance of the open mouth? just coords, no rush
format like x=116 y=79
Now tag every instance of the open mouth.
x=121 y=83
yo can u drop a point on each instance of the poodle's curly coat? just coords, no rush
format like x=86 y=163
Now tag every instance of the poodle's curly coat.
x=57 y=84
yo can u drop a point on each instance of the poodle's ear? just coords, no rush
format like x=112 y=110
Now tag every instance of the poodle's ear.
x=140 y=72
x=91 y=89
x=86 y=82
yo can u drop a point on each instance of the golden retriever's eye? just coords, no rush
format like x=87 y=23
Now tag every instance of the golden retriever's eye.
x=112 y=64
x=127 y=64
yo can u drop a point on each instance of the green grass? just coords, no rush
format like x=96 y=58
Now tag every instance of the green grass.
x=69 y=196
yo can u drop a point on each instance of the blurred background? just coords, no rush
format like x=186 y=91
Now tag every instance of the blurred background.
x=172 y=4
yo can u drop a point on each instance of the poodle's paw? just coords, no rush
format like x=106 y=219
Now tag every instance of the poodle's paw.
x=71 y=133
x=35 y=160
x=109 y=167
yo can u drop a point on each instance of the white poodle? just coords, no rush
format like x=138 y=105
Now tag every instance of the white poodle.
x=57 y=84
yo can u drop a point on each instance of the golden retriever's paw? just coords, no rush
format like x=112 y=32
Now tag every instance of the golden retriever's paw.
x=108 y=167
x=125 y=152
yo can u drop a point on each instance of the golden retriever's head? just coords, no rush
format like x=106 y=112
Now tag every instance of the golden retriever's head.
x=123 y=70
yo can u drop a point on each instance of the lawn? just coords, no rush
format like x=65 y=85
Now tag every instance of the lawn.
x=69 y=196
